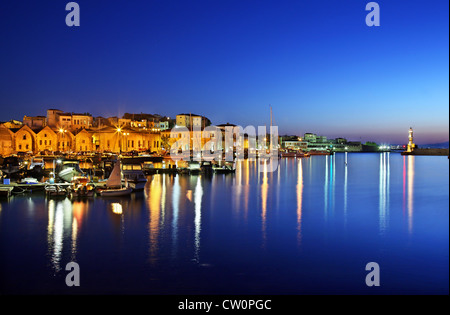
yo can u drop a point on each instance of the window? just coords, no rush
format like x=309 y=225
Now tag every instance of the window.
x=40 y=142
x=45 y=135
x=20 y=147
x=26 y=147
x=24 y=137
x=49 y=142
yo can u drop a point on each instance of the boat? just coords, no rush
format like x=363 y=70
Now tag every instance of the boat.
x=206 y=167
x=29 y=181
x=191 y=167
x=148 y=168
x=12 y=165
x=224 y=167
x=119 y=192
x=55 y=190
x=114 y=184
x=36 y=167
x=320 y=152
x=81 y=188
x=293 y=153
x=70 y=169
x=133 y=175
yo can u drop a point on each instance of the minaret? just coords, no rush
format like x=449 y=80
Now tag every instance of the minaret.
x=411 y=144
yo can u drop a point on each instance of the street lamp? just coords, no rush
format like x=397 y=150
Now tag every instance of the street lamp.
x=62 y=133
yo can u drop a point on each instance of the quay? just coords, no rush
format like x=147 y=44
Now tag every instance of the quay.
x=7 y=189
x=416 y=151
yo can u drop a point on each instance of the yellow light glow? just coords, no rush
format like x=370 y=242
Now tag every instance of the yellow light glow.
x=117 y=208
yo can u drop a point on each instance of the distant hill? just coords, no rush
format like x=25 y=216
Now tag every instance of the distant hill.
x=442 y=145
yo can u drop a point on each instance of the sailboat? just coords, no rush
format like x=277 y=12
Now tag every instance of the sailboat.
x=114 y=184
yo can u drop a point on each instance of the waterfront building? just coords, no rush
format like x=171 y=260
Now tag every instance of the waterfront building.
x=46 y=139
x=80 y=121
x=6 y=141
x=35 y=122
x=191 y=121
x=24 y=140
x=53 y=117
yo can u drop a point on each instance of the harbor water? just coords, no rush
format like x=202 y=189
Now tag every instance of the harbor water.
x=308 y=228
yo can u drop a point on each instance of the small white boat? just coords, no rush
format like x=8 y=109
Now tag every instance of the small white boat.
x=69 y=170
x=114 y=184
x=29 y=180
x=116 y=192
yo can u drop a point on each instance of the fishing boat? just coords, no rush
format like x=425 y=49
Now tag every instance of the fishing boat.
x=224 y=167
x=54 y=190
x=36 y=167
x=133 y=175
x=293 y=153
x=81 y=188
x=190 y=167
x=206 y=167
x=12 y=165
x=70 y=169
x=114 y=184
x=148 y=168
x=320 y=152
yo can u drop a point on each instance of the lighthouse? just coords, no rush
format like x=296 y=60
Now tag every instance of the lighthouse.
x=411 y=144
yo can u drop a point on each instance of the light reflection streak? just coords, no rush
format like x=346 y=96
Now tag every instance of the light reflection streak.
x=264 y=190
x=345 y=189
x=299 y=200
x=176 y=209
x=198 y=217
x=326 y=187
x=384 y=182
x=57 y=236
x=410 y=191
x=64 y=222
x=154 y=201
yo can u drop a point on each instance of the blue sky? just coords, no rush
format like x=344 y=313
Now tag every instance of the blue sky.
x=315 y=62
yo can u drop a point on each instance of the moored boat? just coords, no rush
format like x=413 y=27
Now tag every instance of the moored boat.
x=133 y=175
x=70 y=169
x=55 y=190
x=114 y=184
x=293 y=153
x=223 y=167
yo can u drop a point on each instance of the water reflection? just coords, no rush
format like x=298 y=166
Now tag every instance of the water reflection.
x=345 y=189
x=410 y=192
x=64 y=223
x=299 y=199
x=330 y=165
x=176 y=210
x=154 y=205
x=264 y=191
x=198 y=217
x=384 y=181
